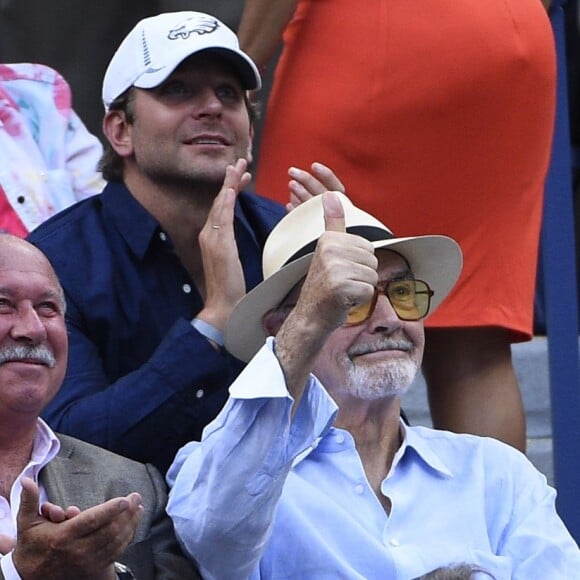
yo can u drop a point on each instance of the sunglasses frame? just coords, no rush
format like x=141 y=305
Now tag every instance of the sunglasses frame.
x=373 y=303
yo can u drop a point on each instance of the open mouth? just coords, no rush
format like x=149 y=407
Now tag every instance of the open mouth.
x=209 y=140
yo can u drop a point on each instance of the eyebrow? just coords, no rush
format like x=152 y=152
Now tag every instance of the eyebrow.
x=45 y=295
x=406 y=274
x=50 y=294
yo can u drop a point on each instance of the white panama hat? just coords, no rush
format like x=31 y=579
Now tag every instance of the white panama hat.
x=288 y=252
x=158 y=44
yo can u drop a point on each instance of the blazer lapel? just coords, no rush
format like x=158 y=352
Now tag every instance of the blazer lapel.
x=66 y=482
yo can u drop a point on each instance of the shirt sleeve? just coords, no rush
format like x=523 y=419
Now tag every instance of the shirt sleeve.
x=151 y=412
x=225 y=489
x=156 y=545
x=7 y=569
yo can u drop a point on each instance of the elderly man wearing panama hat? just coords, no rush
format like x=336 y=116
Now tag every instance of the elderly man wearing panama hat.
x=308 y=471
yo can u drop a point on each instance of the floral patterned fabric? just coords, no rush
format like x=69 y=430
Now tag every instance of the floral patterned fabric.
x=48 y=159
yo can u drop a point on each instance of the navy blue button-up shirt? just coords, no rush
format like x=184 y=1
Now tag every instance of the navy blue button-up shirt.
x=141 y=380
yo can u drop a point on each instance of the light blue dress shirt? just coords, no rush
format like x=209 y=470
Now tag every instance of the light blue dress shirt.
x=270 y=496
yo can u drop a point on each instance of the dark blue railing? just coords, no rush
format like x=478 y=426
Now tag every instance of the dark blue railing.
x=558 y=279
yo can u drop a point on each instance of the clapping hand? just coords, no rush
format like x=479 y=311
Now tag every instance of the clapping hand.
x=64 y=543
x=223 y=274
x=305 y=184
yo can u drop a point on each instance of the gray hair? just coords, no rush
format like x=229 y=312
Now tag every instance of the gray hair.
x=455 y=572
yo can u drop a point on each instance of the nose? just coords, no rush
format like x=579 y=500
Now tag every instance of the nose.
x=28 y=327
x=208 y=104
x=384 y=318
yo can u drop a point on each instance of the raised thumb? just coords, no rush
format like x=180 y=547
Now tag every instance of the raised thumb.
x=333 y=212
x=29 y=502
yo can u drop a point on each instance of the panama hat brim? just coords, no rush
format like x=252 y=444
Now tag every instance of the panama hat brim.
x=434 y=259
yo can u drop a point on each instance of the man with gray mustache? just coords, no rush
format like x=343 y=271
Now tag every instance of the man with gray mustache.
x=39 y=354
x=67 y=509
x=309 y=472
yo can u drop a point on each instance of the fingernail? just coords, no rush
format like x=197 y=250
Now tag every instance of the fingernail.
x=297 y=187
x=294 y=171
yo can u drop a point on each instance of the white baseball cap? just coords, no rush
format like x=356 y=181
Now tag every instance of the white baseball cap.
x=158 y=44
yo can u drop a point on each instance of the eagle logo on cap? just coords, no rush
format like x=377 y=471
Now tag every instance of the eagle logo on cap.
x=199 y=26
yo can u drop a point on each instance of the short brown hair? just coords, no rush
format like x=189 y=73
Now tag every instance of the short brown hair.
x=111 y=163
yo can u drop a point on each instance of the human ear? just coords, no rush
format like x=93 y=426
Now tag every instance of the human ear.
x=117 y=130
x=272 y=321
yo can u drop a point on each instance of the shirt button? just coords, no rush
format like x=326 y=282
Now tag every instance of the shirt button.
x=187 y=288
x=340 y=438
x=199 y=393
x=162 y=236
x=394 y=542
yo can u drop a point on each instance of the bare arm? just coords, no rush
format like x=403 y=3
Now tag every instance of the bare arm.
x=261 y=27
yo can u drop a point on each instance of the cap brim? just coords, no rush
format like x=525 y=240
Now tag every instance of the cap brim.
x=434 y=259
x=242 y=64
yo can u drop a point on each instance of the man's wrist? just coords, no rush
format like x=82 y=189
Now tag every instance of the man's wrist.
x=7 y=568
x=209 y=331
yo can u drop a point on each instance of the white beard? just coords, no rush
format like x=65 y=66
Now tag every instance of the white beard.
x=377 y=381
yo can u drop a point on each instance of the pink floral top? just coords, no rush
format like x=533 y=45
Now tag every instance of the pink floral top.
x=48 y=159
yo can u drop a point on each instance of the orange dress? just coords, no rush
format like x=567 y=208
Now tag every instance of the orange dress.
x=438 y=118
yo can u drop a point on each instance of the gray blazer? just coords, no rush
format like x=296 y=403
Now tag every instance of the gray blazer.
x=84 y=475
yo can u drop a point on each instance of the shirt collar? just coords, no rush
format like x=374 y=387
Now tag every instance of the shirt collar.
x=412 y=440
x=137 y=226
x=46 y=445
x=412 y=443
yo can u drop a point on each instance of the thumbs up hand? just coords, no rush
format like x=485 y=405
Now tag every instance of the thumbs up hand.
x=342 y=274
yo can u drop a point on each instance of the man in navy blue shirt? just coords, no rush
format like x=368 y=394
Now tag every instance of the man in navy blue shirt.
x=153 y=266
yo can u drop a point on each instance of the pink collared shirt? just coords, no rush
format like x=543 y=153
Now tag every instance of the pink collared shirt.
x=44 y=449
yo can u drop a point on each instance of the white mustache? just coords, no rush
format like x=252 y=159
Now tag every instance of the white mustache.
x=382 y=344
x=38 y=353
